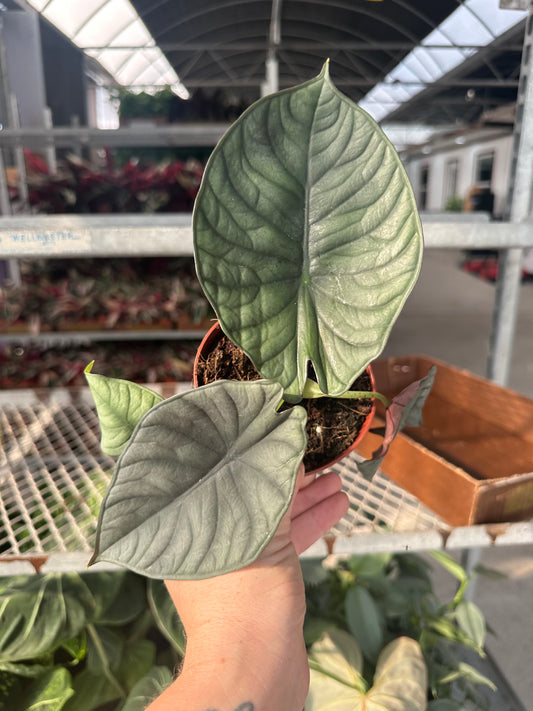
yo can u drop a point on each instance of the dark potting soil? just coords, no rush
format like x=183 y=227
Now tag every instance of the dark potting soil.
x=332 y=423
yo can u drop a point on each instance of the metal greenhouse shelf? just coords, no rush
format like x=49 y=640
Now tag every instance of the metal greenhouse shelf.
x=53 y=477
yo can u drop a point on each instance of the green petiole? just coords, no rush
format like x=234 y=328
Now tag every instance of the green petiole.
x=311 y=390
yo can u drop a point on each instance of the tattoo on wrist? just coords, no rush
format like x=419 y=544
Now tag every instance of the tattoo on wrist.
x=246 y=706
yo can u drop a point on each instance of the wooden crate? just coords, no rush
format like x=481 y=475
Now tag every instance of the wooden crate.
x=471 y=461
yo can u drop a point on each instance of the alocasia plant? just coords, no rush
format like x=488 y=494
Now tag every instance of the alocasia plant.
x=307 y=244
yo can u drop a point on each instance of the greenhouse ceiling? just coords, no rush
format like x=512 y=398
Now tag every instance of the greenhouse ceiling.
x=407 y=60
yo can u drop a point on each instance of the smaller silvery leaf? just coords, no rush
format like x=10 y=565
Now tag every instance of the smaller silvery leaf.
x=405 y=410
x=203 y=482
x=120 y=405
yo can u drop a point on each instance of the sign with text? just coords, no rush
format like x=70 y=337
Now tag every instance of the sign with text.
x=44 y=242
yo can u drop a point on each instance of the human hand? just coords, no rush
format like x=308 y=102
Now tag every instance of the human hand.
x=244 y=629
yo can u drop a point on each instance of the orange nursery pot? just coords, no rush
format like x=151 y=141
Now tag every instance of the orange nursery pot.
x=211 y=340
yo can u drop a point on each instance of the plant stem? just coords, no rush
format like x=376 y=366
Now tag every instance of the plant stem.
x=359 y=394
x=106 y=667
x=311 y=390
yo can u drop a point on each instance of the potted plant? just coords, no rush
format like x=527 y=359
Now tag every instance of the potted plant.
x=307 y=244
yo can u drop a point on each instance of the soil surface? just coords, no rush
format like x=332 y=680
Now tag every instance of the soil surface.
x=332 y=423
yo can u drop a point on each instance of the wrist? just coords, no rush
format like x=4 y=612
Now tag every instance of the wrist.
x=244 y=640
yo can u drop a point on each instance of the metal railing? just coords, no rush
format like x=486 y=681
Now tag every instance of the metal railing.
x=171 y=235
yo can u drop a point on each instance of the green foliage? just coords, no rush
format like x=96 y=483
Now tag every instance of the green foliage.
x=80 y=642
x=379 y=598
x=148 y=688
x=164 y=613
x=110 y=641
x=364 y=620
x=48 y=692
x=454 y=204
x=40 y=614
x=142 y=104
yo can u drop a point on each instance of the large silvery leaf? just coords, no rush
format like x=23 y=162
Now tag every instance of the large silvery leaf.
x=307 y=238
x=120 y=405
x=203 y=482
x=400 y=679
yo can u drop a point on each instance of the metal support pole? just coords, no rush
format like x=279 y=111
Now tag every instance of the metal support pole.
x=271 y=83
x=5 y=205
x=510 y=263
x=50 y=150
x=19 y=157
x=75 y=123
x=519 y=207
x=9 y=268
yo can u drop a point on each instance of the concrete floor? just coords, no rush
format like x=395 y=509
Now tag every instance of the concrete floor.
x=448 y=316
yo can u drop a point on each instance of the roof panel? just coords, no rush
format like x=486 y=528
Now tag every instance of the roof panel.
x=106 y=23
x=351 y=33
x=73 y=15
x=399 y=55
x=134 y=34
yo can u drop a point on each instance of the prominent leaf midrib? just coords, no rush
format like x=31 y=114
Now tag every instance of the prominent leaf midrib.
x=302 y=345
x=308 y=186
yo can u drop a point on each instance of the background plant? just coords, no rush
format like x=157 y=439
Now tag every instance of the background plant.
x=107 y=641
x=379 y=598
x=81 y=187
x=216 y=105
x=124 y=293
x=28 y=365
x=110 y=641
